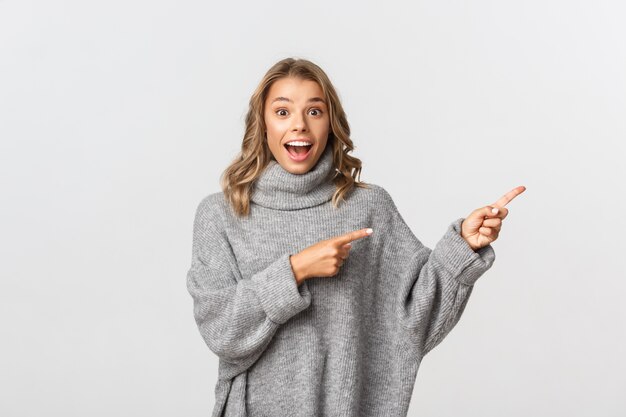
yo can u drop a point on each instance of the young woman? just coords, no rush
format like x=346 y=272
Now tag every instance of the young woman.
x=307 y=283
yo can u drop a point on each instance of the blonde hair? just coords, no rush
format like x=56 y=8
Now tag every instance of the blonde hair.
x=238 y=178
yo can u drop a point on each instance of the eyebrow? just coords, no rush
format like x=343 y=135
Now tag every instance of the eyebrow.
x=311 y=100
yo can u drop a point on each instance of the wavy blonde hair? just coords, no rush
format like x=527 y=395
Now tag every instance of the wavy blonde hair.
x=237 y=180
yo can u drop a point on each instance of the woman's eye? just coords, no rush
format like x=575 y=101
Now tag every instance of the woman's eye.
x=283 y=112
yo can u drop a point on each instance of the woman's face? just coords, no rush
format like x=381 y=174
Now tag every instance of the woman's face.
x=295 y=110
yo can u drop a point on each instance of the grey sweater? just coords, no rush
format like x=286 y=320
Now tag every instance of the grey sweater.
x=346 y=345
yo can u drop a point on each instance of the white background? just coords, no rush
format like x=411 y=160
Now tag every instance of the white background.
x=117 y=118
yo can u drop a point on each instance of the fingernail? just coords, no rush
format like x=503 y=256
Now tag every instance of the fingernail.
x=369 y=231
x=494 y=210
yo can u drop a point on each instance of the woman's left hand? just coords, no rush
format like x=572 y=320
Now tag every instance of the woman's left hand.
x=483 y=225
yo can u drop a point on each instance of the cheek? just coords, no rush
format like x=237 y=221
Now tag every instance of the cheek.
x=276 y=127
x=275 y=134
x=324 y=130
x=321 y=124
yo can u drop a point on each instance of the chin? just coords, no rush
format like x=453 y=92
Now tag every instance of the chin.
x=296 y=168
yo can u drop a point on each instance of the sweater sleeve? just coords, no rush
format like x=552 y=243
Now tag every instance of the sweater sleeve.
x=435 y=284
x=237 y=316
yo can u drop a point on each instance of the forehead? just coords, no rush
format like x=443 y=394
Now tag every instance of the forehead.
x=295 y=89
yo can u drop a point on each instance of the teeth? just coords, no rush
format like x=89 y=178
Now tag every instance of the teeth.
x=298 y=143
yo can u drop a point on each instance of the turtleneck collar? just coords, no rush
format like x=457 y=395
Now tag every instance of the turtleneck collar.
x=279 y=189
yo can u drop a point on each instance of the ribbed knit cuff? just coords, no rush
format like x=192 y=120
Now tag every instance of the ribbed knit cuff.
x=455 y=254
x=280 y=295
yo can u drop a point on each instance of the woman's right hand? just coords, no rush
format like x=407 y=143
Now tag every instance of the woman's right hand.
x=326 y=257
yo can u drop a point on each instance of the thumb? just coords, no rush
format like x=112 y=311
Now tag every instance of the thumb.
x=491 y=211
x=487 y=211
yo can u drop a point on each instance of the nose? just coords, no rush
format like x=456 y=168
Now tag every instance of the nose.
x=299 y=123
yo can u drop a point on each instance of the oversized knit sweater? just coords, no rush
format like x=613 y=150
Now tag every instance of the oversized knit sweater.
x=346 y=345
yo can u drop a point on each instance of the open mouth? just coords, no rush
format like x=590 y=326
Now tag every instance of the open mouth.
x=298 y=150
x=298 y=153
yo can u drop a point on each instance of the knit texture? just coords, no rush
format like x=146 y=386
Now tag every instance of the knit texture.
x=346 y=345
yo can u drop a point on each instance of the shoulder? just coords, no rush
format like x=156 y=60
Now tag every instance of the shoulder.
x=375 y=200
x=209 y=203
x=210 y=208
x=369 y=191
x=378 y=196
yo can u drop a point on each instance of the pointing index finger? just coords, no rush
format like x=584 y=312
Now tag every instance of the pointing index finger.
x=506 y=198
x=350 y=236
